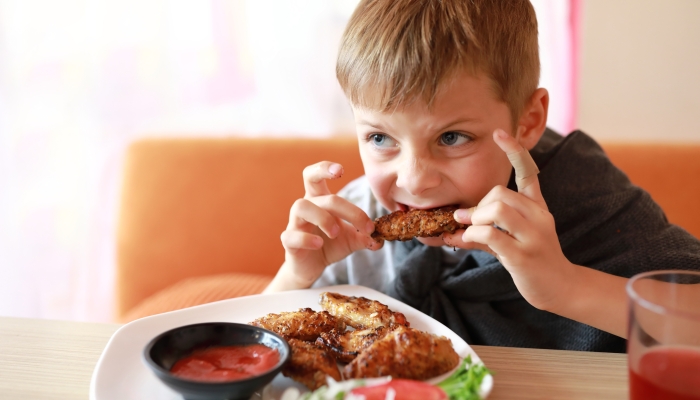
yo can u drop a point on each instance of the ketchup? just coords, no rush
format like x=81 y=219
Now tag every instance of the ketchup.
x=226 y=363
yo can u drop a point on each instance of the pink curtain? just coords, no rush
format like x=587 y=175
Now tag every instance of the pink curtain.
x=559 y=24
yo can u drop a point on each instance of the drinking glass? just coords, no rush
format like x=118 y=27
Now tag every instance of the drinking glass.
x=663 y=346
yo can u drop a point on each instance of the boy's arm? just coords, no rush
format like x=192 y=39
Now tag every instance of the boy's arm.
x=519 y=230
x=286 y=279
x=595 y=298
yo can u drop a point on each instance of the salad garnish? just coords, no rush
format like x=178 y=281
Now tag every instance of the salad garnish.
x=463 y=384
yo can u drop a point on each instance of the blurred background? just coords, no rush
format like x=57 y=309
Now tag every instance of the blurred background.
x=81 y=79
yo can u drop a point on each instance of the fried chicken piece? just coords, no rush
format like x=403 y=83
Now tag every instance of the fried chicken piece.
x=305 y=324
x=310 y=364
x=347 y=345
x=402 y=225
x=360 y=312
x=404 y=353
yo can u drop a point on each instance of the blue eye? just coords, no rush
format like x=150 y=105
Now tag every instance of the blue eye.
x=380 y=140
x=453 y=138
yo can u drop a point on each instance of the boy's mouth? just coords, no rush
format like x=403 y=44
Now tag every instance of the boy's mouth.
x=405 y=207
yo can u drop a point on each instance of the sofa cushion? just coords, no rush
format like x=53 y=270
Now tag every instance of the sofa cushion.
x=668 y=172
x=199 y=290
x=209 y=206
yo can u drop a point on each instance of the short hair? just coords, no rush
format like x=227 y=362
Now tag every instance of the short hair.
x=396 y=51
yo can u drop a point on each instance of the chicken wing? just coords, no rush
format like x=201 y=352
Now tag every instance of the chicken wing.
x=360 y=312
x=310 y=364
x=405 y=225
x=305 y=324
x=347 y=345
x=404 y=353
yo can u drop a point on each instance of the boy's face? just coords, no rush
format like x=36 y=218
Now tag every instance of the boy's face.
x=415 y=157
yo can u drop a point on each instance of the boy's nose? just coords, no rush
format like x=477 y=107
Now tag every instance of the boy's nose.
x=415 y=175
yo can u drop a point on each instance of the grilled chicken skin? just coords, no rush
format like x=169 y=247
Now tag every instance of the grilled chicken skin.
x=404 y=353
x=345 y=346
x=360 y=312
x=405 y=225
x=378 y=343
x=305 y=324
x=310 y=364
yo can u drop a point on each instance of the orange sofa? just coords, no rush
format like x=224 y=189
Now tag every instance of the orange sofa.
x=200 y=219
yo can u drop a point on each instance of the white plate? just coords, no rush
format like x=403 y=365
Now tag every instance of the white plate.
x=121 y=374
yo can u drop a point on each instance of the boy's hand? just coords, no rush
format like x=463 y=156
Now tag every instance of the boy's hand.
x=323 y=228
x=519 y=230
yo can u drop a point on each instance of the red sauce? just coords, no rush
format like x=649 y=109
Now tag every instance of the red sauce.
x=226 y=363
x=667 y=373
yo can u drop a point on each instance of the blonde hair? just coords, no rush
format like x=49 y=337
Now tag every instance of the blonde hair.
x=396 y=51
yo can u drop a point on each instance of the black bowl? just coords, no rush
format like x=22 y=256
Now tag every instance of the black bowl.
x=164 y=350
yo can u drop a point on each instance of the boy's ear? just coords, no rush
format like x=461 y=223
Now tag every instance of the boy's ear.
x=533 y=119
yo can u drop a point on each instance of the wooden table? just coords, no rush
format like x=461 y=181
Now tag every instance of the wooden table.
x=42 y=359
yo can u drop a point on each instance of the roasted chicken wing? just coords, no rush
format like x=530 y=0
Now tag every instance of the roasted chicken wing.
x=360 y=312
x=404 y=353
x=310 y=364
x=305 y=324
x=364 y=333
x=345 y=346
x=405 y=225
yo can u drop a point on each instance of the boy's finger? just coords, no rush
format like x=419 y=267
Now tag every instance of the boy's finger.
x=497 y=241
x=501 y=216
x=322 y=211
x=304 y=215
x=455 y=240
x=526 y=206
x=364 y=242
x=315 y=177
x=525 y=168
x=296 y=240
x=346 y=211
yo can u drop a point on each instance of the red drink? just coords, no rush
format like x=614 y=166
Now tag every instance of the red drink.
x=669 y=373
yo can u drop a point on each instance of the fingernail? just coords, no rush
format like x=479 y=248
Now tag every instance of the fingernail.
x=372 y=244
x=318 y=242
x=336 y=169
x=501 y=133
x=462 y=215
x=370 y=227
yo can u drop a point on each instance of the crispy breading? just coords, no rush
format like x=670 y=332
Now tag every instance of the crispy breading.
x=345 y=346
x=381 y=343
x=360 y=312
x=310 y=364
x=404 y=353
x=305 y=324
x=405 y=225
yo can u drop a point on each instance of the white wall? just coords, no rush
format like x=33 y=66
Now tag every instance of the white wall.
x=640 y=70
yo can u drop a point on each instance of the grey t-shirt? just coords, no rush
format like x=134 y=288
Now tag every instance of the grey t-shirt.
x=373 y=269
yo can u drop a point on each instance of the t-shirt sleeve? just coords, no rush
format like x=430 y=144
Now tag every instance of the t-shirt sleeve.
x=334 y=274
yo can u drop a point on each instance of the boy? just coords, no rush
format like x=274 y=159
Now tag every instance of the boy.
x=446 y=103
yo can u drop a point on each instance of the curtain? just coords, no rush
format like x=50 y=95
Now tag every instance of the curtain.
x=81 y=79
x=559 y=33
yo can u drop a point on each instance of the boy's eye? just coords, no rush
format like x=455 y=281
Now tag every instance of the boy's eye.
x=453 y=138
x=380 y=140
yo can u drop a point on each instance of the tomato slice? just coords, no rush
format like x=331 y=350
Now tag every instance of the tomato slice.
x=404 y=389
